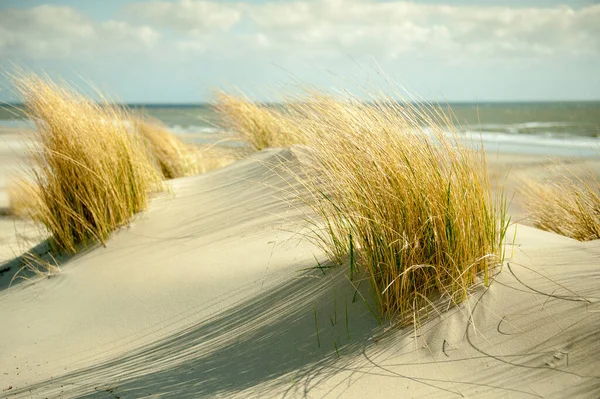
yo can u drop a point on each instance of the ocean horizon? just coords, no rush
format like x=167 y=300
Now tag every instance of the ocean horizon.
x=553 y=128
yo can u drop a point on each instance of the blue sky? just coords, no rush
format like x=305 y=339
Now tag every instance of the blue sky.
x=182 y=50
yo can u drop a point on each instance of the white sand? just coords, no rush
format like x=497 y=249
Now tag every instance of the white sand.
x=204 y=295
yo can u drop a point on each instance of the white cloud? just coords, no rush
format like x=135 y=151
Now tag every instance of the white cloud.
x=189 y=16
x=306 y=29
x=60 y=32
x=122 y=32
x=395 y=28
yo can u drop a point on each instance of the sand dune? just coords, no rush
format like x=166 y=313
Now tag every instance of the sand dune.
x=207 y=294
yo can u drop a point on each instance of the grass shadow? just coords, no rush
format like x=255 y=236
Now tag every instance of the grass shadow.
x=292 y=332
x=38 y=261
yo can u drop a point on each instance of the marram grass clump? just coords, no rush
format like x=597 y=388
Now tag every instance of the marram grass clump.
x=173 y=157
x=259 y=125
x=404 y=202
x=568 y=205
x=91 y=175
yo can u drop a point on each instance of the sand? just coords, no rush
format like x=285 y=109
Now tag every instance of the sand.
x=212 y=292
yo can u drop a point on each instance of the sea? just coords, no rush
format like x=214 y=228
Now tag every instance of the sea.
x=537 y=128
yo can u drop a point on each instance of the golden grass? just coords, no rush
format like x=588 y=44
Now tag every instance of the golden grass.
x=91 y=174
x=211 y=157
x=21 y=198
x=568 y=205
x=173 y=157
x=257 y=124
x=395 y=196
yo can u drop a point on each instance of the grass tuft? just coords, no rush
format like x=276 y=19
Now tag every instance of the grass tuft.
x=259 y=125
x=567 y=205
x=211 y=157
x=91 y=175
x=407 y=202
x=21 y=198
x=173 y=157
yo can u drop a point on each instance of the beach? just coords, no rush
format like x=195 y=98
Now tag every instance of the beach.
x=213 y=292
x=299 y=199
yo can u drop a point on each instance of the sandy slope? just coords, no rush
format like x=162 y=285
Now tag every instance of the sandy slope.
x=205 y=295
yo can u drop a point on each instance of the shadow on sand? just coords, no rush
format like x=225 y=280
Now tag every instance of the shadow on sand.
x=289 y=333
x=22 y=268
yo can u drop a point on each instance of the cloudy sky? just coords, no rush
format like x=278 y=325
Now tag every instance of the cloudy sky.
x=182 y=50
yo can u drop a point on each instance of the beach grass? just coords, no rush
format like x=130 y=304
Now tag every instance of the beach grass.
x=173 y=157
x=568 y=204
x=213 y=156
x=21 y=197
x=90 y=174
x=259 y=125
x=397 y=198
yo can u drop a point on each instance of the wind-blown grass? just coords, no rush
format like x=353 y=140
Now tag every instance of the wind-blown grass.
x=211 y=157
x=408 y=204
x=173 y=157
x=568 y=205
x=21 y=198
x=91 y=175
x=257 y=124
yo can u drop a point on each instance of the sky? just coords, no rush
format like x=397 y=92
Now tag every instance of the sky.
x=182 y=51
